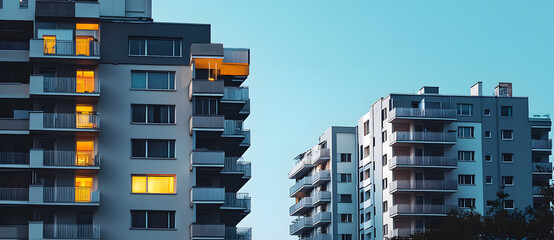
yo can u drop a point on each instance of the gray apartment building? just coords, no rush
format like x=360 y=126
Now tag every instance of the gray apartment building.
x=421 y=155
x=113 y=126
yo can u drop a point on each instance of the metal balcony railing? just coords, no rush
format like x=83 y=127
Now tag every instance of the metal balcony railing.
x=14 y=194
x=71 y=48
x=233 y=233
x=70 y=85
x=14 y=231
x=321 y=217
x=71 y=120
x=312 y=157
x=235 y=94
x=71 y=195
x=237 y=200
x=541 y=144
x=233 y=127
x=310 y=181
x=543 y=167
x=424 y=161
x=237 y=165
x=435 y=185
x=446 y=137
x=300 y=223
x=71 y=231
x=207 y=230
x=304 y=202
x=71 y=158
x=21 y=158
x=420 y=209
x=236 y=55
x=423 y=113
x=207 y=194
x=405 y=232
x=14 y=45
x=321 y=196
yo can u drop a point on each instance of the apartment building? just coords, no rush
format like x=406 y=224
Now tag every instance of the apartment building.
x=325 y=190
x=422 y=155
x=114 y=126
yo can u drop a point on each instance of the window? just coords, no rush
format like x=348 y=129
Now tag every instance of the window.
x=466 y=179
x=487 y=112
x=366 y=151
x=152 y=219
x=465 y=109
x=345 y=177
x=154 y=47
x=508 y=204
x=488 y=158
x=346 y=237
x=385 y=229
x=508 y=180
x=150 y=148
x=346 y=157
x=384 y=136
x=366 y=127
x=153 y=80
x=85 y=81
x=466 y=156
x=385 y=183
x=205 y=106
x=507 y=157
x=346 y=218
x=490 y=203
x=384 y=114
x=385 y=206
x=506 y=111
x=345 y=198
x=23 y=3
x=488 y=180
x=153 y=184
x=507 y=135
x=141 y=113
x=466 y=202
x=487 y=134
x=385 y=160
x=1 y=4
x=465 y=132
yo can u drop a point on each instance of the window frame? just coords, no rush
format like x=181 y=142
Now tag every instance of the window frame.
x=347 y=218
x=511 y=133
x=346 y=178
x=461 y=133
x=508 y=200
x=146 y=47
x=146 y=114
x=488 y=134
x=490 y=158
x=510 y=111
x=487 y=112
x=170 y=213
x=154 y=175
x=487 y=180
x=462 y=202
x=504 y=155
x=463 y=177
x=504 y=178
x=461 y=156
x=146 y=88
x=146 y=149
x=346 y=157
x=460 y=109
x=348 y=198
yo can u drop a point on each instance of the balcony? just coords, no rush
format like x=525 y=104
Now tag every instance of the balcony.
x=207 y=195
x=14 y=195
x=537 y=191
x=321 y=219
x=307 y=183
x=14 y=126
x=319 y=236
x=14 y=51
x=14 y=90
x=71 y=231
x=64 y=122
x=236 y=62
x=237 y=201
x=207 y=231
x=309 y=160
x=232 y=233
x=70 y=195
x=301 y=206
x=14 y=159
x=14 y=232
x=423 y=138
x=199 y=158
x=68 y=50
x=301 y=225
x=235 y=165
x=423 y=162
x=61 y=86
x=207 y=126
x=541 y=145
x=542 y=168
x=419 y=210
x=405 y=232
x=423 y=186
x=422 y=114
x=40 y=158
x=205 y=88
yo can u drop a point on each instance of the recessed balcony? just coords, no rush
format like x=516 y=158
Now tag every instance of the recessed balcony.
x=74 y=122
x=542 y=168
x=445 y=138
x=444 y=186
x=85 y=159
x=40 y=195
x=14 y=50
x=406 y=232
x=419 y=210
x=207 y=231
x=14 y=159
x=39 y=230
x=398 y=114
x=207 y=195
x=200 y=158
x=423 y=162
x=235 y=165
x=14 y=90
x=321 y=219
x=62 y=86
x=541 y=145
x=237 y=201
x=86 y=52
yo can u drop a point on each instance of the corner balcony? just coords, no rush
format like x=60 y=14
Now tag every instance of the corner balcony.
x=397 y=114
x=61 y=86
x=39 y=230
x=233 y=102
x=236 y=139
x=207 y=126
x=16 y=126
x=235 y=165
x=206 y=158
x=207 y=231
x=419 y=210
x=321 y=219
x=443 y=138
x=301 y=225
x=40 y=158
x=234 y=233
x=309 y=182
x=14 y=51
x=405 y=232
x=443 y=186
x=308 y=203
x=542 y=168
x=423 y=162
x=14 y=90
x=541 y=145
x=205 y=88
x=65 y=122
x=207 y=195
x=311 y=158
x=237 y=201
x=67 y=51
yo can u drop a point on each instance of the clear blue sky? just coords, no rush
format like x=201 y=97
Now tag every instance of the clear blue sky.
x=321 y=63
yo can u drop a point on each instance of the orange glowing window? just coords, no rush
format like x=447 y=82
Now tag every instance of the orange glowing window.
x=85 y=153
x=86 y=26
x=85 y=81
x=153 y=184
x=83 y=189
x=85 y=117
x=49 y=44
x=82 y=45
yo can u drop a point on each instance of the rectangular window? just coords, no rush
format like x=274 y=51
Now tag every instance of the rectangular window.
x=508 y=180
x=205 y=106
x=152 y=148
x=345 y=177
x=155 y=47
x=23 y=3
x=466 y=202
x=466 y=156
x=385 y=183
x=466 y=179
x=385 y=206
x=507 y=157
x=366 y=127
x=346 y=218
x=487 y=112
x=152 y=219
x=490 y=203
x=508 y=204
x=384 y=114
x=385 y=160
x=466 y=132
x=346 y=237
x=507 y=135
x=153 y=184
x=488 y=134
x=488 y=158
x=346 y=157
x=465 y=109
x=385 y=229
x=384 y=136
x=366 y=151
x=141 y=113
x=153 y=80
x=345 y=198
x=488 y=180
x=506 y=111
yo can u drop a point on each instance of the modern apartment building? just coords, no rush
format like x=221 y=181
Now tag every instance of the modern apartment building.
x=113 y=126
x=421 y=155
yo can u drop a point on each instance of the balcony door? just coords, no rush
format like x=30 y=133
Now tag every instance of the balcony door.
x=84 y=155
x=49 y=44
x=82 y=45
x=83 y=188
x=85 y=116
x=85 y=81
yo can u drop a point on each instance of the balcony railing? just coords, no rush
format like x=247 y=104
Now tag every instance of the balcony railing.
x=199 y=87
x=541 y=144
x=14 y=45
x=233 y=127
x=423 y=161
x=537 y=190
x=319 y=236
x=14 y=194
x=542 y=167
x=314 y=156
x=310 y=181
x=321 y=196
x=71 y=158
x=246 y=134
x=405 y=232
x=236 y=55
x=237 y=165
x=305 y=202
x=420 y=209
x=322 y=217
x=84 y=85
x=71 y=231
x=299 y=224
x=207 y=158
x=71 y=120
x=71 y=195
x=208 y=195
x=20 y=158
x=71 y=48
x=440 y=137
x=14 y=232
x=232 y=233
x=206 y=231
x=207 y=123
x=423 y=113
x=424 y=185
x=235 y=94
x=237 y=200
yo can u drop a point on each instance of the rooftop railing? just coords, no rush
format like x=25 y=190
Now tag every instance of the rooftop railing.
x=236 y=55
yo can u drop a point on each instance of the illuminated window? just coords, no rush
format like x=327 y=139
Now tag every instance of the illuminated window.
x=85 y=81
x=153 y=184
x=86 y=26
x=82 y=45
x=49 y=44
x=85 y=153
x=85 y=116
x=83 y=189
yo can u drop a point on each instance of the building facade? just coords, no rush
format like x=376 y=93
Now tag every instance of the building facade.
x=114 y=126
x=422 y=155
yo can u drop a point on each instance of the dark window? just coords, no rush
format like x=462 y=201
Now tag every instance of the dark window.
x=138 y=219
x=345 y=198
x=138 y=148
x=345 y=177
x=508 y=204
x=508 y=180
x=506 y=111
x=385 y=183
x=160 y=47
x=385 y=160
x=507 y=135
x=153 y=148
x=23 y=3
x=346 y=157
x=466 y=179
x=152 y=219
x=138 y=113
x=385 y=206
x=465 y=156
x=152 y=113
x=346 y=237
x=465 y=109
x=487 y=112
x=366 y=127
x=488 y=158
x=466 y=202
x=346 y=218
x=490 y=203
x=384 y=133
x=507 y=157
x=465 y=132
x=205 y=106
x=153 y=80
x=487 y=134
x=488 y=180
x=155 y=47
x=137 y=46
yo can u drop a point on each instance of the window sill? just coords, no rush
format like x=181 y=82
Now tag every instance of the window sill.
x=152 y=158
x=155 y=229
x=161 y=124
x=155 y=90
